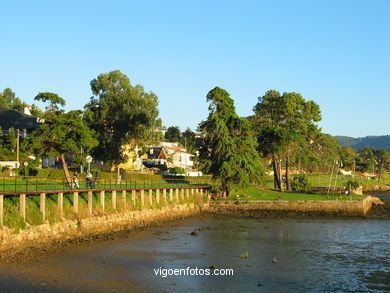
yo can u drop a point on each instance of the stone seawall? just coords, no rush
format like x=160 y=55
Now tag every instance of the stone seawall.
x=354 y=208
x=68 y=229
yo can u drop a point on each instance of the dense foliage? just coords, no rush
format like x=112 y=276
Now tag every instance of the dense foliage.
x=229 y=151
x=120 y=114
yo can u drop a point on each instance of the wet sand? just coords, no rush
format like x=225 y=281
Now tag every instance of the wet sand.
x=311 y=255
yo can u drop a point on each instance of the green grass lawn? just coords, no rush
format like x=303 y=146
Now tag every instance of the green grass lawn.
x=316 y=179
x=254 y=193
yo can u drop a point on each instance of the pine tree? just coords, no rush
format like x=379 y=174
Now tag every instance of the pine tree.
x=229 y=151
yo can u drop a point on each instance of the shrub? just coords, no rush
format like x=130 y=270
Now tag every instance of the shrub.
x=299 y=182
x=176 y=171
x=43 y=173
x=352 y=184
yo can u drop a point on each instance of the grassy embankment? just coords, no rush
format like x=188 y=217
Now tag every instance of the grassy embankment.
x=266 y=192
x=257 y=193
x=316 y=179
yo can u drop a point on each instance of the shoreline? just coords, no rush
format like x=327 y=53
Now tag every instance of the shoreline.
x=38 y=241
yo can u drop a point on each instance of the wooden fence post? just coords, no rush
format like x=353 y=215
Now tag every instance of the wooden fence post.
x=75 y=202
x=165 y=195
x=177 y=194
x=102 y=199
x=133 y=196
x=158 y=196
x=90 y=202
x=171 y=194
x=22 y=206
x=113 y=199
x=42 y=205
x=150 y=197
x=1 y=209
x=142 y=198
x=124 y=198
x=182 y=194
x=61 y=203
x=187 y=194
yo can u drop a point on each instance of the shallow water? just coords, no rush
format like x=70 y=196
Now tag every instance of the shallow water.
x=284 y=255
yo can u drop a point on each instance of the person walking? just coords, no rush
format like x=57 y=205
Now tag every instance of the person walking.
x=89 y=179
x=75 y=180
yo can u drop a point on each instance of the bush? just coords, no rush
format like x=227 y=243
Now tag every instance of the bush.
x=299 y=182
x=43 y=173
x=352 y=184
x=176 y=171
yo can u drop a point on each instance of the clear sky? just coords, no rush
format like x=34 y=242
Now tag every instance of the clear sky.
x=336 y=53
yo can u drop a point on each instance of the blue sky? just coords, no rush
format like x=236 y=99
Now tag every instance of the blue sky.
x=336 y=53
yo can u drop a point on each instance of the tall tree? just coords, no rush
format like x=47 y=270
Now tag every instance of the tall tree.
x=229 y=151
x=54 y=100
x=283 y=122
x=383 y=158
x=62 y=134
x=120 y=114
x=173 y=134
x=12 y=139
x=348 y=156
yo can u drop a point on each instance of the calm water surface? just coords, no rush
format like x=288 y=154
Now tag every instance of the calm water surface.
x=285 y=255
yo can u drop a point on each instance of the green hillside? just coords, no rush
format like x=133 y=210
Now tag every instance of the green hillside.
x=378 y=142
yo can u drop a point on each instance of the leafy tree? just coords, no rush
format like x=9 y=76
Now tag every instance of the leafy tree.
x=348 y=156
x=366 y=160
x=53 y=99
x=229 y=152
x=328 y=151
x=383 y=158
x=12 y=140
x=190 y=141
x=18 y=105
x=3 y=102
x=120 y=114
x=8 y=97
x=36 y=111
x=173 y=134
x=282 y=123
x=62 y=134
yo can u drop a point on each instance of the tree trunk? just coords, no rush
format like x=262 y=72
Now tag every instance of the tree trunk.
x=118 y=179
x=225 y=188
x=280 y=175
x=66 y=171
x=277 y=181
x=288 y=183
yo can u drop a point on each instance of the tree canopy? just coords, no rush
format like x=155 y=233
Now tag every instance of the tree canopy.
x=229 y=151
x=282 y=123
x=60 y=135
x=53 y=99
x=120 y=114
x=173 y=134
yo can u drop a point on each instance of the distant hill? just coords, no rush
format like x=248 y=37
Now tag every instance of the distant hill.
x=378 y=142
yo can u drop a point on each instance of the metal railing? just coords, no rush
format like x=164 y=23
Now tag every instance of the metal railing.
x=15 y=184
